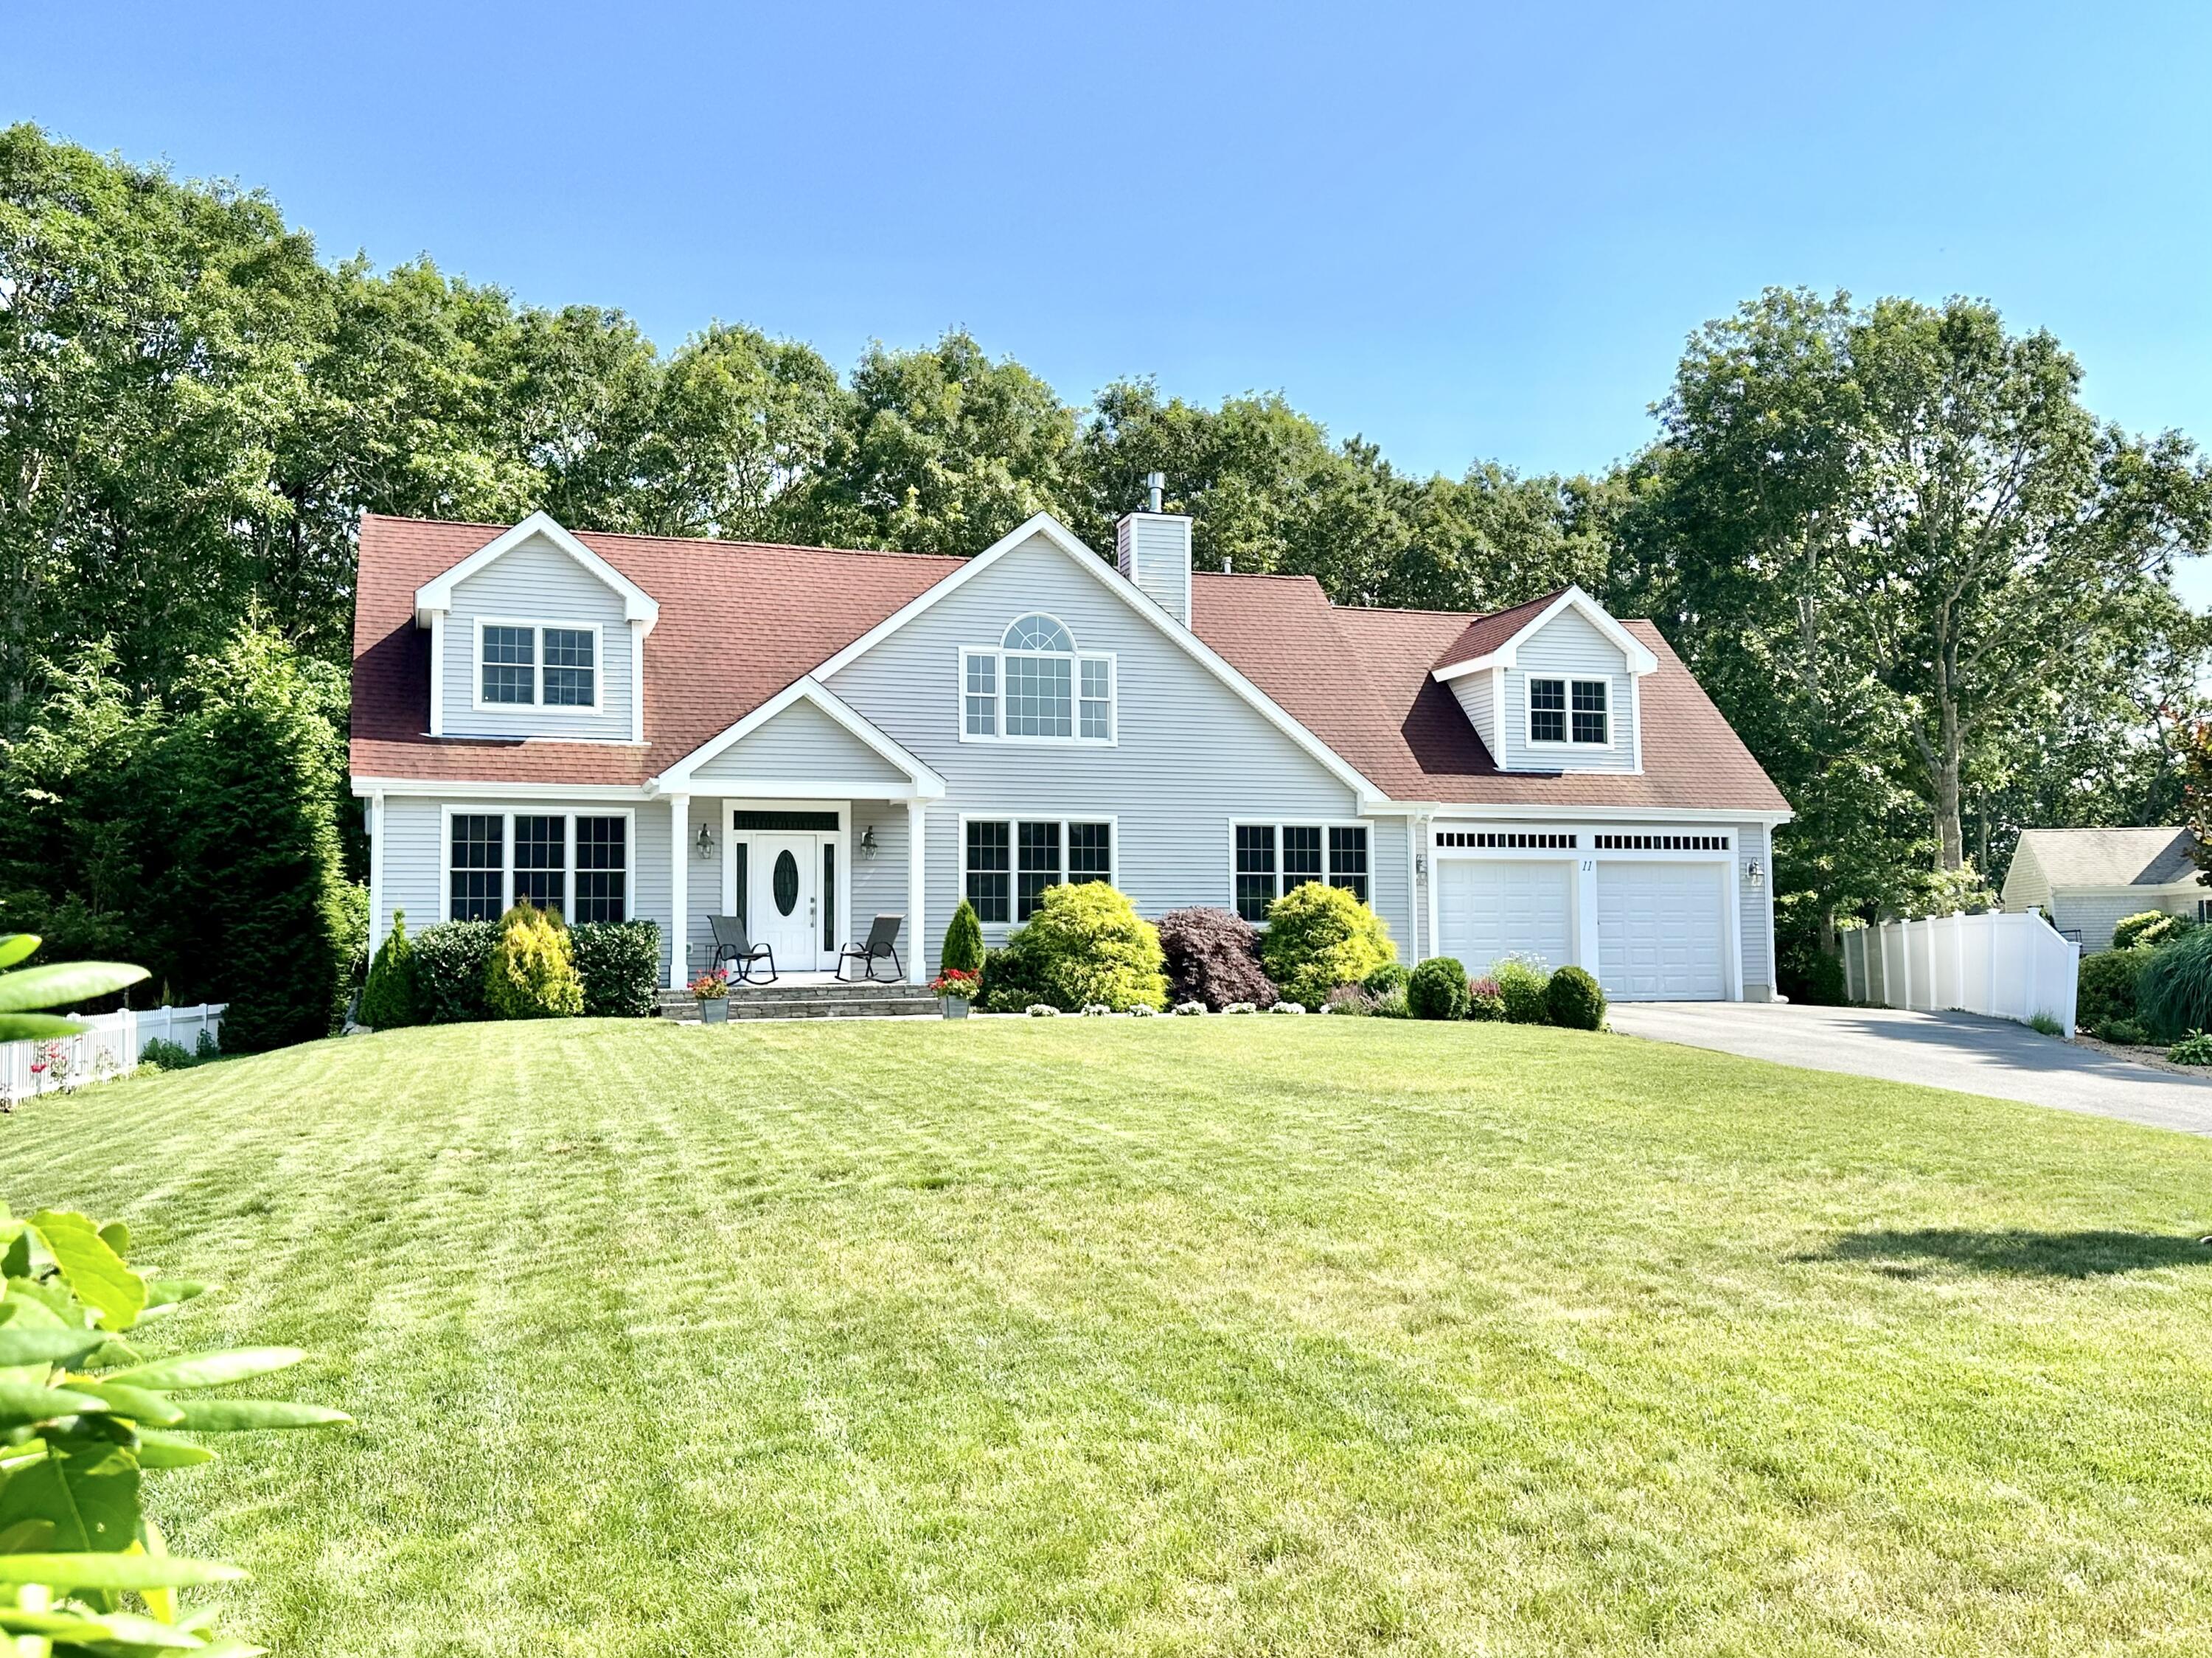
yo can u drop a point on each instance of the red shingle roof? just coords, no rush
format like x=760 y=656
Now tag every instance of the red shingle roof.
x=741 y=620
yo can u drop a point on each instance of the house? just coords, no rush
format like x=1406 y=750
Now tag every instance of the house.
x=2085 y=879
x=628 y=726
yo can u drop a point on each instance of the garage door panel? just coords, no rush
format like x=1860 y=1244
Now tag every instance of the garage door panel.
x=1661 y=931
x=1487 y=908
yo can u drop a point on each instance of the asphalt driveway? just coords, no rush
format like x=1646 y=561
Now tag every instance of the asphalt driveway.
x=1941 y=1050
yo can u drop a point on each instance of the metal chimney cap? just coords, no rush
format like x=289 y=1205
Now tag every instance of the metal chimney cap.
x=1154 y=483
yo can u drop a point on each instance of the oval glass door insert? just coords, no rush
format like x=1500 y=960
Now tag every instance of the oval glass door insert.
x=785 y=881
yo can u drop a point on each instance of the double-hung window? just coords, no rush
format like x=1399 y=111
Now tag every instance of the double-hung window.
x=571 y=862
x=1007 y=862
x=530 y=665
x=1036 y=688
x=1272 y=857
x=1563 y=710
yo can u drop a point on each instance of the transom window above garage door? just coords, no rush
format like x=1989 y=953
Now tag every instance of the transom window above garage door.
x=1661 y=842
x=1509 y=840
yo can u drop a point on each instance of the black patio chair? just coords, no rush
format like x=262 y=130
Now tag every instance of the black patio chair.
x=882 y=945
x=732 y=943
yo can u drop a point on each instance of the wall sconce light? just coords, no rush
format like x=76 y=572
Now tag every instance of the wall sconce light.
x=1754 y=872
x=1420 y=864
x=868 y=842
x=705 y=841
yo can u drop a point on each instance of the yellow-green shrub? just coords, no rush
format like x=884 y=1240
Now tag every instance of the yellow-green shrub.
x=1086 y=944
x=532 y=972
x=1321 y=937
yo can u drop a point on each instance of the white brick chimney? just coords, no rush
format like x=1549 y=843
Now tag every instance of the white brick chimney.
x=1153 y=550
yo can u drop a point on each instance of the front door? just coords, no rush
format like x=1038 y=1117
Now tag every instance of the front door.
x=784 y=905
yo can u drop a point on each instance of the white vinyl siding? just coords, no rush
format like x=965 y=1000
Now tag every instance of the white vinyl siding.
x=527 y=688
x=1189 y=754
x=1567 y=650
x=803 y=745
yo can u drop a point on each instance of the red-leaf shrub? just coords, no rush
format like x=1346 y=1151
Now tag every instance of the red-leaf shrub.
x=1213 y=957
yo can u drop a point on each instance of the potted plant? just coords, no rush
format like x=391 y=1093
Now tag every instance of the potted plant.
x=712 y=990
x=954 y=989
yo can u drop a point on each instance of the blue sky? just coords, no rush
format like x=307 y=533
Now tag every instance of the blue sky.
x=1463 y=231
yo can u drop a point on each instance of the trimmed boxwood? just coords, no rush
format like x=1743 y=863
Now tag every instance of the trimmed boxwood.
x=1522 y=986
x=2106 y=988
x=1574 y=1000
x=450 y=960
x=1212 y=957
x=619 y=962
x=1390 y=978
x=1436 y=989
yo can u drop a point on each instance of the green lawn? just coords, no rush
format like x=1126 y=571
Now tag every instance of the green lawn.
x=1254 y=1336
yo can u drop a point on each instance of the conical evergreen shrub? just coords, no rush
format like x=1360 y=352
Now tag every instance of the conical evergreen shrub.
x=532 y=974
x=391 y=1000
x=964 y=941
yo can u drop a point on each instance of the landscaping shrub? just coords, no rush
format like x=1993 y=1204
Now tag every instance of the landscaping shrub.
x=619 y=962
x=2125 y=1032
x=1391 y=1004
x=390 y=1000
x=1213 y=957
x=962 y=950
x=1390 y=977
x=1810 y=975
x=1321 y=937
x=2149 y=927
x=1436 y=989
x=451 y=960
x=1349 y=1000
x=532 y=971
x=1484 y=1000
x=170 y=1056
x=1521 y=987
x=2174 y=991
x=1574 y=1001
x=1003 y=983
x=1084 y=943
x=2105 y=988
x=2195 y=1049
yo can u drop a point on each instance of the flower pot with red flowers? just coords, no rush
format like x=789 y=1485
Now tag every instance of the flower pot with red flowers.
x=955 y=990
x=712 y=991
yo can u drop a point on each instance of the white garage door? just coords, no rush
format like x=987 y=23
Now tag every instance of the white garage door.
x=1486 y=908
x=1660 y=931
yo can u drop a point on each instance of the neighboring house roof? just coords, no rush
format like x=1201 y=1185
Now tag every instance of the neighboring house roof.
x=741 y=622
x=2107 y=858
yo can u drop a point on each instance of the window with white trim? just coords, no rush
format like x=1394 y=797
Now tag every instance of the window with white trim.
x=573 y=862
x=1561 y=710
x=1272 y=857
x=1006 y=864
x=531 y=664
x=1036 y=688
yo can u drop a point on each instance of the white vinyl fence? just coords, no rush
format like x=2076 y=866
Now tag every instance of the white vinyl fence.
x=110 y=1048
x=2014 y=966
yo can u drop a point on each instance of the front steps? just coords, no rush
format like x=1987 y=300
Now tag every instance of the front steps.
x=820 y=1000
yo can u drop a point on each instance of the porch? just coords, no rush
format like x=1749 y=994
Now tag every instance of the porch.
x=811 y=996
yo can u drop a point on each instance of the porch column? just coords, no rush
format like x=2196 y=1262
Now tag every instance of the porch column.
x=679 y=897
x=1586 y=915
x=916 y=887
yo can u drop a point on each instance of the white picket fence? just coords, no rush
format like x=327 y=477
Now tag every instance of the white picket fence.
x=2013 y=966
x=110 y=1048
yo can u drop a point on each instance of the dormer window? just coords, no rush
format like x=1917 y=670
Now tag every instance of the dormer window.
x=1036 y=688
x=537 y=664
x=1561 y=711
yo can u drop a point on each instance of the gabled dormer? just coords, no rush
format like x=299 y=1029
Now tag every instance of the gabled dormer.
x=536 y=635
x=1552 y=685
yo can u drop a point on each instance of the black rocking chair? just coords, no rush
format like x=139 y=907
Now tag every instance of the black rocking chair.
x=732 y=945
x=882 y=945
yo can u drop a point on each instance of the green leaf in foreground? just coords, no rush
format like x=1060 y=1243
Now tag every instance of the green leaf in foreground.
x=38 y=1027
x=120 y=1628
x=220 y=1416
x=209 y=1370
x=23 y=1344
x=22 y=1402
x=161 y=1450
x=16 y=946
x=95 y=1274
x=61 y=984
x=115 y=1572
x=153 y=1409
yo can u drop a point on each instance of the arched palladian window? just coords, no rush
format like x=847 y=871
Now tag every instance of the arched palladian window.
x=1037 y=687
